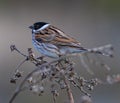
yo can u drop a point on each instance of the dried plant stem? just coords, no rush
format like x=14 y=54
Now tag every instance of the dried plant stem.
x=19 y=88
x=60 y=71
x=68 y=88
x=69 y=91
x=54 y=98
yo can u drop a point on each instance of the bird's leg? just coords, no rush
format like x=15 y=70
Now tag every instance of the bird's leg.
x=40 y=57
x=41 y=60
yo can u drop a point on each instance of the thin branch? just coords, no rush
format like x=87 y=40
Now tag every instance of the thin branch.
x=45 y=70
x=18 y=66
x=13 y=48
x=80 y=88
x=69 y=91
x=54 y=97
x=18 y=90
x=85 y=64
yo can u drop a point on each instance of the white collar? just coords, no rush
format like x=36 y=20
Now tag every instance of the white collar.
x=43 y=27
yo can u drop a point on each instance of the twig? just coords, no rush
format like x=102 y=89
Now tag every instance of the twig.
x=69 y=91
x=18 y=90
x=47 y=70
x=18 y=66
x=85 y=64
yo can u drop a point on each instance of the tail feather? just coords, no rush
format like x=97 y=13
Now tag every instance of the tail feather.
x=106 y=50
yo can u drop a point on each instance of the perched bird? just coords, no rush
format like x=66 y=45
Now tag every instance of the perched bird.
x=53 y=42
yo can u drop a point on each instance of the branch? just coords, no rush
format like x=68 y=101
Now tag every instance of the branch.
x=69 y=91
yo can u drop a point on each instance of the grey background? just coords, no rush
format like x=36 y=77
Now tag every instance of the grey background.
x=92 y=22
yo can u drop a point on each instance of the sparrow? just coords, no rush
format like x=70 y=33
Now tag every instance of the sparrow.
x=53 y=42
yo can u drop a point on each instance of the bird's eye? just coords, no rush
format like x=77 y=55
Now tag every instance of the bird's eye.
x=36 y=27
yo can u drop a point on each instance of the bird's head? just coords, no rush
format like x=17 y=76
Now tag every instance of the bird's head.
x=39 y=26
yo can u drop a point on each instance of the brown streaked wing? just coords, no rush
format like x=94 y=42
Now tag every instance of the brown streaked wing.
x=62 y=39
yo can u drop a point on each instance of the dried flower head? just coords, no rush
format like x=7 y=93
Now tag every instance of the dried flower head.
x=60 y=73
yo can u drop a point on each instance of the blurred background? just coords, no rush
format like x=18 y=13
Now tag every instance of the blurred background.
x=93 y=22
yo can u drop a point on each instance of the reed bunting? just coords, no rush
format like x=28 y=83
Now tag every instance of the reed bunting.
x=53 y=42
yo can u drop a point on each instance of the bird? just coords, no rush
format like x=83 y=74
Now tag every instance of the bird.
x=52 y=42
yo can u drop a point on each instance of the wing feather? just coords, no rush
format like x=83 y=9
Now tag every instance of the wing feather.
x=59 y=39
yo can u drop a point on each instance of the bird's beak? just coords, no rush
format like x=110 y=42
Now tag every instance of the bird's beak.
x=31 y=27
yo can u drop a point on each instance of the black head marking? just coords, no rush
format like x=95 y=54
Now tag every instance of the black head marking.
x=38 y=25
